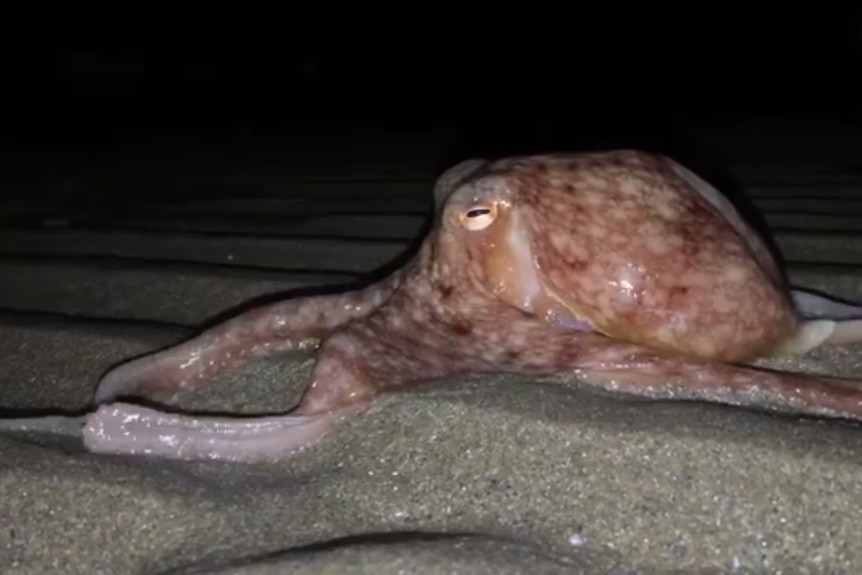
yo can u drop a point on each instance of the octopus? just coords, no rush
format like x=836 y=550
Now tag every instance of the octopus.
x=622 y=269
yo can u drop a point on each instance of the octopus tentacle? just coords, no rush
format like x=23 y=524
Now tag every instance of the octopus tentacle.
x=349 y=373
x=635 y=370
x=123 y=428
x=796 y=393
x=288 y=325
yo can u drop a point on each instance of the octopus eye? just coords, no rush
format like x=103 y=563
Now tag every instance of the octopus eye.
x=479 y=218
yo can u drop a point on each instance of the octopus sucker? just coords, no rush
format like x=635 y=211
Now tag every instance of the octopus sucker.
x=621 y=267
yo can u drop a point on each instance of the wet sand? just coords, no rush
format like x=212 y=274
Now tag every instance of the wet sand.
x=499 y=474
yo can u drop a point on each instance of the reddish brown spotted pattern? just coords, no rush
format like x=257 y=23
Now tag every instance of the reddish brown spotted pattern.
x=638 y=252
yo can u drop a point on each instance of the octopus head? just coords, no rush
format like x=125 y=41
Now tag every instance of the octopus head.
x=490 y=235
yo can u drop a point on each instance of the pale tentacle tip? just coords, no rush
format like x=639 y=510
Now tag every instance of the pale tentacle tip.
x=123 y=428
x=815 y=333
x=810 y=335
x=112 y=385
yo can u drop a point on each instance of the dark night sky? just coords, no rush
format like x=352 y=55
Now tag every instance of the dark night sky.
x=627 y=74
x=502 y=89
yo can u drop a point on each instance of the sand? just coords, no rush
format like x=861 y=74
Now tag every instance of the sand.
x=498 y=474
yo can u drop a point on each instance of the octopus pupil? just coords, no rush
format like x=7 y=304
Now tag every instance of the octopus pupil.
x=478 y=212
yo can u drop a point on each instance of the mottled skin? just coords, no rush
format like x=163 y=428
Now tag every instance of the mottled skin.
x=621 y=267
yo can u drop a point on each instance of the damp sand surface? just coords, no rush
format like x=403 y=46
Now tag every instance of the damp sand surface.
x=495 y=474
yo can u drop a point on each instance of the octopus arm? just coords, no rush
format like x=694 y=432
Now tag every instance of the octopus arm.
x=288 y=325
x=353 y=367
x=632 y=369
x=124 y=428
